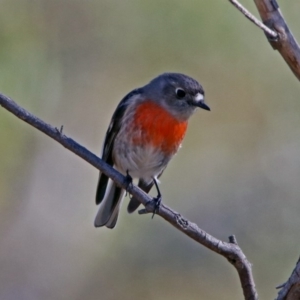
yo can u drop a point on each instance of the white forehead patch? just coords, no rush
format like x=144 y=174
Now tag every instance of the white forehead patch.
x=199 y=97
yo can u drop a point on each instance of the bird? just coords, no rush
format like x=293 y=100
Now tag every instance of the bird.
x=145 y=132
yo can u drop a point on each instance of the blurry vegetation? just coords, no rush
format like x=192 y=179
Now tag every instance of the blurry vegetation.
x=70 y=62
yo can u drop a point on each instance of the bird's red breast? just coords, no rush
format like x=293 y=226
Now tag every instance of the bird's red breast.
x=154 y=125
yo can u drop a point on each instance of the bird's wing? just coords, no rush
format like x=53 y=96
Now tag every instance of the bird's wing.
x=111 y=133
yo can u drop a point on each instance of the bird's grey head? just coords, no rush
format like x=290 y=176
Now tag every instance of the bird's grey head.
x=178 y=93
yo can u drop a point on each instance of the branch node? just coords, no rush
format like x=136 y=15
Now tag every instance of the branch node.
x=280 y=286
x=183 y=223
x=60 y=131
x=232 y=240
x=273 y=40
x=254 y=20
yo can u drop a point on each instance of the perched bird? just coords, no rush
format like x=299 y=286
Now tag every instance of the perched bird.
x=145 y=132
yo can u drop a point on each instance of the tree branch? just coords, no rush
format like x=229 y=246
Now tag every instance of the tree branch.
x=289 y=49
x=285 y=42
x=231 y=251
x=253 y=19
x=291 y=289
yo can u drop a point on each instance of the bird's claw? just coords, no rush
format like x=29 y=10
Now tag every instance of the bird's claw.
x=157 y=202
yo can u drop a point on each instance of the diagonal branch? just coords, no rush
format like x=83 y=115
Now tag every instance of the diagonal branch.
x=285 y=42
x=231 y=251
x=291 y=289
x=253 y=19
x=289 y=49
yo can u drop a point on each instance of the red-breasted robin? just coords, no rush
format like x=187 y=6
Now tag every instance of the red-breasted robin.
x=145 y=132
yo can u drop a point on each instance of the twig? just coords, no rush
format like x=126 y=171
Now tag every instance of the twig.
x=284 y=41
x=231 y=251
x=289 y=49
x=291 y=289
x=253 y=19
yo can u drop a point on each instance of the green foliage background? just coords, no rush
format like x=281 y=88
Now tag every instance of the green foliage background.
x=70 y=62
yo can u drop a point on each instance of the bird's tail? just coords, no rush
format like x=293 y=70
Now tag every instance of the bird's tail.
x=109 y=207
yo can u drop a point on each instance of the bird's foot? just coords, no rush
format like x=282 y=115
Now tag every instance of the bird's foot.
x=157 y=202
x=157 y=199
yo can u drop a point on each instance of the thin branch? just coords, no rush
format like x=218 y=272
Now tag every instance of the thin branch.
x=231 y=251
x=284 y=42
x=291 y=289
x=253 y=19
x=289 y=49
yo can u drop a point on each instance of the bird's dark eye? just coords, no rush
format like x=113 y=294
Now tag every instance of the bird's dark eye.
x=180 y=93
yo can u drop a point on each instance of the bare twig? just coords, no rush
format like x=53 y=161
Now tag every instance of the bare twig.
x=289 y=49
x=291 y=289
x=253 y=19
x=284 y=42
x=231 y=251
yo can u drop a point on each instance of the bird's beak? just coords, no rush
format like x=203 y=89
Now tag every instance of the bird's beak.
x=199 y=101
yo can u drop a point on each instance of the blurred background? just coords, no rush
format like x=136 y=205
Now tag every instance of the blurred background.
x=70 y=62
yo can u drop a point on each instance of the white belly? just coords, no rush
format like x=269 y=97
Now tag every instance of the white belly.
x=140 y=161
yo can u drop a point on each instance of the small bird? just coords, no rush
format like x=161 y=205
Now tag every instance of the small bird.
x=145 y=132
